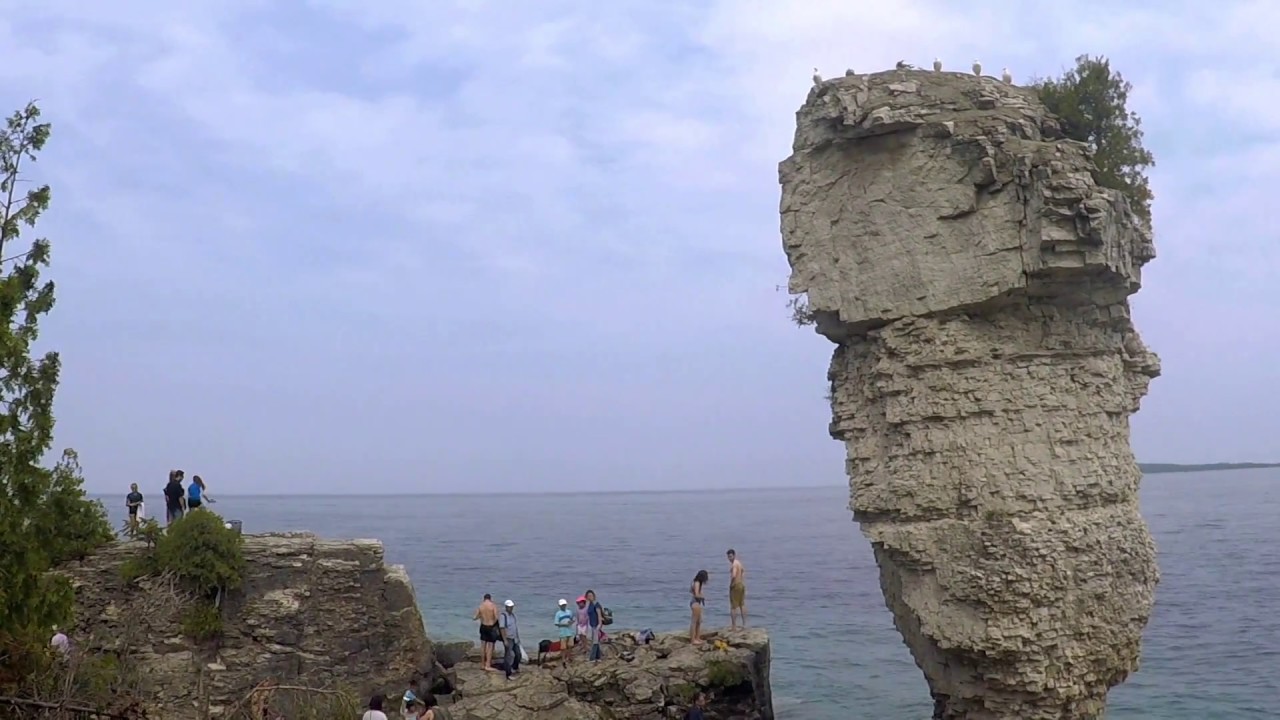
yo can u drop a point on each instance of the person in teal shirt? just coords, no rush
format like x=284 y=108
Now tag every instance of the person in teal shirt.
x=565 y=625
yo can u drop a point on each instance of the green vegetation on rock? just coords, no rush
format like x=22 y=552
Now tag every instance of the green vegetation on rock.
x=45 y=517
x=724 y=674
x=1091 y=101
x=201 y=552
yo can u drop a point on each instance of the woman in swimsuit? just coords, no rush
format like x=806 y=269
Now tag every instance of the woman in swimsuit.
x=696 y=603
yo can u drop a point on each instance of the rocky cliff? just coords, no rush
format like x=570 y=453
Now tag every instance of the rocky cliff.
x=632 y=682
x=315 y=613
x=331 y=615
x=974 y=279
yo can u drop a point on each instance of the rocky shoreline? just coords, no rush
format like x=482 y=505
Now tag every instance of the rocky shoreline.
x=657 y=679
x=331 y=616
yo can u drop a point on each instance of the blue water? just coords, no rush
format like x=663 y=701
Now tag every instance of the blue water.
x=1212 y=649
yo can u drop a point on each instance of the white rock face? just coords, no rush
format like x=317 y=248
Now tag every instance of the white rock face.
x=975 y=281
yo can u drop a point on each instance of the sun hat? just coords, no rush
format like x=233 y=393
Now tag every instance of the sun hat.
x=510 y=603
x=563 y=601
x=582 y=598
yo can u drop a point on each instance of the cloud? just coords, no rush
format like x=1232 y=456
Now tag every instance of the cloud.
x=493 y=240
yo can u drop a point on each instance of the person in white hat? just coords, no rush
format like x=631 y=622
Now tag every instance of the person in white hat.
x=565 y=625
x=510 y=638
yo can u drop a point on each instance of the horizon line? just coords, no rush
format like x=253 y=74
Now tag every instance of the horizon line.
x=518 y=493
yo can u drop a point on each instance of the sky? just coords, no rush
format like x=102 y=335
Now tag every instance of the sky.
x=484 y=246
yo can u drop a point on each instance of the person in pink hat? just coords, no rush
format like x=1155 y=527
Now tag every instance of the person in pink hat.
x=583 y=622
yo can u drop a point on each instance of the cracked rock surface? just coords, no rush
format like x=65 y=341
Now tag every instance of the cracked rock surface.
x=312 y=612
x=975 y=282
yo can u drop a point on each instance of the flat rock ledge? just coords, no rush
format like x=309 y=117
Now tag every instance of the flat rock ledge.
x=632 y=682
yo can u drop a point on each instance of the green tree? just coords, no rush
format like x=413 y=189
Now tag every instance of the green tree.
x=1091 y=100
x=45 y=517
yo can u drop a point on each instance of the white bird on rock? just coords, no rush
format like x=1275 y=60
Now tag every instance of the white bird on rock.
x=937 y=65
x=817 y=79
x=977 y=68
x=1006 y=76
x=849 y=72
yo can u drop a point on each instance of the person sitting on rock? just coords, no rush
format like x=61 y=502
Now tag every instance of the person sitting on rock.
x=696 y=710
x=375 y=709
x=428 y=708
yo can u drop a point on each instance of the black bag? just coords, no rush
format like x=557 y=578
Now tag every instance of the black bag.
x=606 y=616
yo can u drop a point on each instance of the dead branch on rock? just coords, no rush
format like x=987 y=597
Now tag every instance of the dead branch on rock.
x=300 y=702
x=63 y=709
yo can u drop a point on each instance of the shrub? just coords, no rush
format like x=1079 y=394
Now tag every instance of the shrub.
x=1091 y=102
x=202 y=621
x=202 y=551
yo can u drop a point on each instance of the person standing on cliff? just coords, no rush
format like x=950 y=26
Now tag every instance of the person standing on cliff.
x=737 y=590
x=133 y=501
x=174 y=497
x=565 y=626
x=595 y=618
x=487 y=614
x=510 y=639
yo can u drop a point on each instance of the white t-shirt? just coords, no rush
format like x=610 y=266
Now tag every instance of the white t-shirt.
x=374 y=715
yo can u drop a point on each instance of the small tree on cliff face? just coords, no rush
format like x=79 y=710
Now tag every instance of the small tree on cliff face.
x=45 y=517
x=1091 y=101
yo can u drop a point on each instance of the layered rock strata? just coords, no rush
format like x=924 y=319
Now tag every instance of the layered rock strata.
x=312 y=612
x=975 y=280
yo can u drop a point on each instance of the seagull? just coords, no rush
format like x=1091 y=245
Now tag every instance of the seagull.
x=937 y=65
x=817 y=79
x=977 y=68
x=904 y=65
x=1006 y=76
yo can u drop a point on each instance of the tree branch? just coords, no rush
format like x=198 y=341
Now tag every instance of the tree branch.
x=21 y=147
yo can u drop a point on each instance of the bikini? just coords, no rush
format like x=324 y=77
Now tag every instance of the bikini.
x=696 y=600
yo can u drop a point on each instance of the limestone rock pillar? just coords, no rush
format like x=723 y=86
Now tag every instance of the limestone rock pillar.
x=975 y=281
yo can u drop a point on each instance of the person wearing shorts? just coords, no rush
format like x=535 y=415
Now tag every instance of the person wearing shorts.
x=737 y=590
x=487 y=614
x=133 y=501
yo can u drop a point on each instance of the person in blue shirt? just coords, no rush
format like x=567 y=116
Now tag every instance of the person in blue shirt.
x=196 y=493
x=565 y=626
x=594 y=617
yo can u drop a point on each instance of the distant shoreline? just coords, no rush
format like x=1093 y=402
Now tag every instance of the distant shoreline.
x=1158 y=468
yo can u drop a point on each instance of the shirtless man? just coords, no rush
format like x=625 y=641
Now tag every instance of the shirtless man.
x=737 y=590
x=487 y=614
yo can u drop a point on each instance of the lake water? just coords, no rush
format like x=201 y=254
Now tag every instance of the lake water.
x=1212 y=648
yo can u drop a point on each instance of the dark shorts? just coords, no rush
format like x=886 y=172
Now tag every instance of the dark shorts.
x=490 y=633
x=133 y=512
x=193 y=504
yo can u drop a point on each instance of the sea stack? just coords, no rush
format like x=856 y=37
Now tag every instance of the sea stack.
x=975 y=281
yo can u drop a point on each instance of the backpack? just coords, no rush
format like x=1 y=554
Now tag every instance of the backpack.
x=606 y=616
